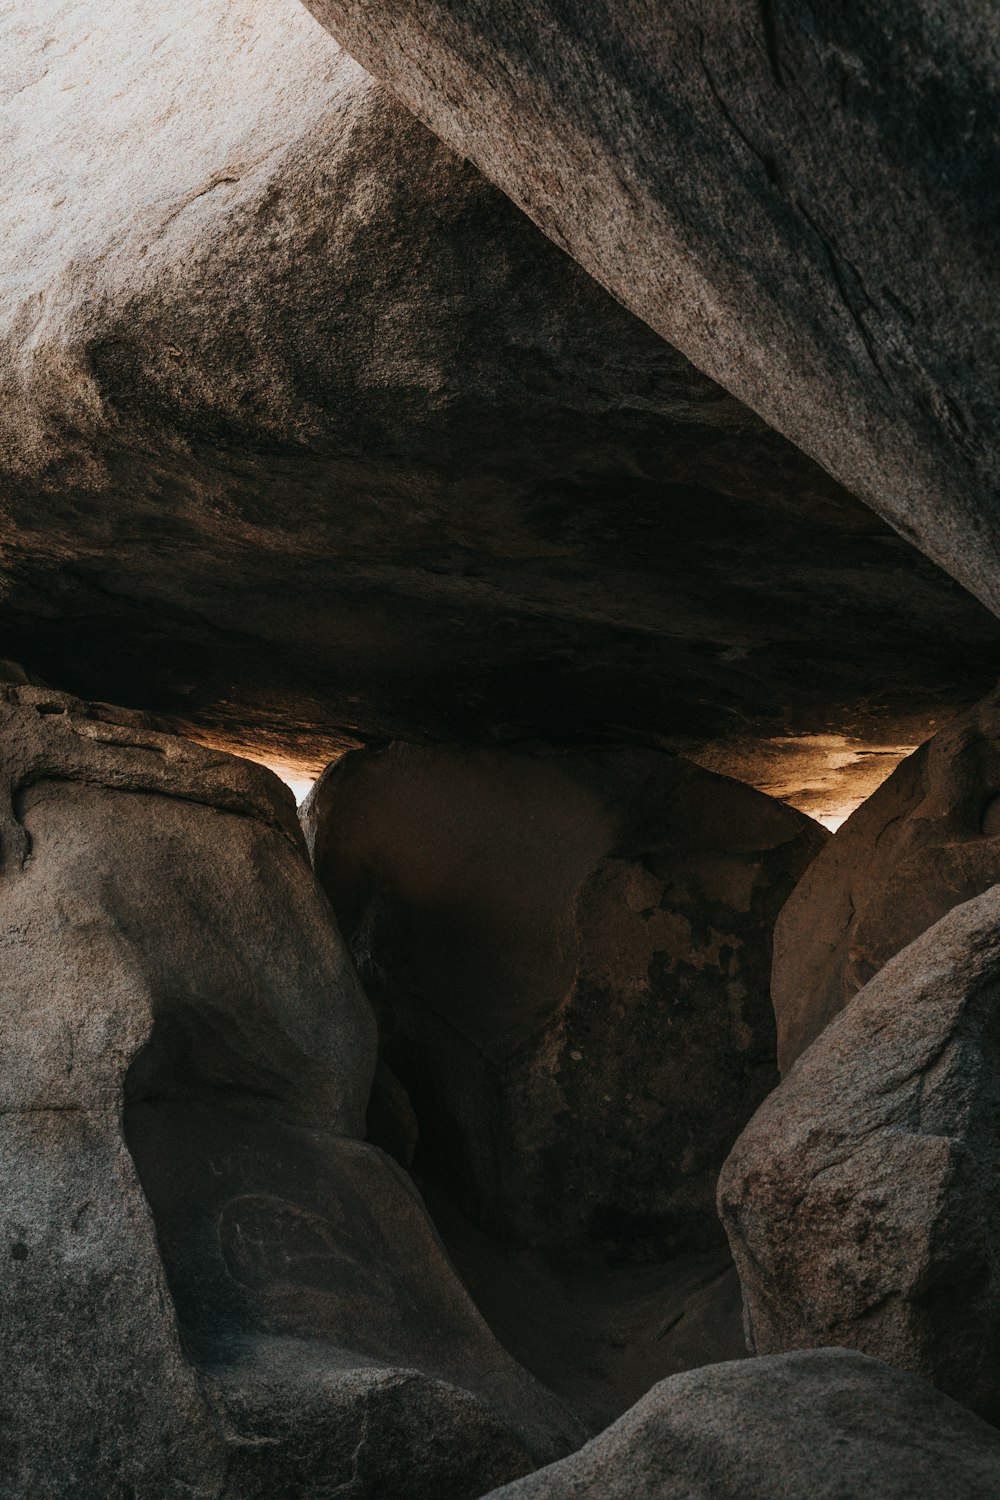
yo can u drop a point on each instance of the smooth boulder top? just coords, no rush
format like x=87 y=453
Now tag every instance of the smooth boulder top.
x=827 y=1424
x=802 y=198
x=51 y=735
x=309 y=436
x=862 y=1200
x=925 y=841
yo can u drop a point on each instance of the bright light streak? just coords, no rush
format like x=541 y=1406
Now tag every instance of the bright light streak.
x=833 y=820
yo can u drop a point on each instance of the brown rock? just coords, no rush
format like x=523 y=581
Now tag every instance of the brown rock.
x=307 y=435
x=571 y=955
x=802 y=198
x=825 y=1424
x=862 y=1200
x=928 y=839
x=169 y=959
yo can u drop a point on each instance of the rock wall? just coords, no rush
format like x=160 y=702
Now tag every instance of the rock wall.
x=570 y=952
x=308 y=435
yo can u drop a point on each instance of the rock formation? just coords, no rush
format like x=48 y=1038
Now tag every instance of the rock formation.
x=862 y=1200
x=801 y=198
x=307 y=435
x=582 y=474
x=826 y=1424
x=202 y=1288
x=571 y=955
x=928 y=839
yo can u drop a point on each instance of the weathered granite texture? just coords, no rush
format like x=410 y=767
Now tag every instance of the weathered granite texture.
x=803 y=198
x=192 y=1238
x=571 y=955
x=926 y=840
x=862 y=1200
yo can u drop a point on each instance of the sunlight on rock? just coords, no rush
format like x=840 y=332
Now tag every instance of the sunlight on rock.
x=299 y=780
x=834 y=820
x=826 y=776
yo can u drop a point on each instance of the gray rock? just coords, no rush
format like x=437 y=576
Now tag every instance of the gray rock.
x=298 y=1418
x=98 y=1398
x=862 y=1200
x=803 y=198
x=272 y=1232
x=121 y=851
x=570 y=953
x=186 y=1052
x=307 y=435
x=928 y=839
x=825 y=1424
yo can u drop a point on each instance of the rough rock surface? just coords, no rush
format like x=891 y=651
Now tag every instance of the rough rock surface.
x=571 y=955
x=827 y=1424
x=307 y=435
x=862 y=1200
x=803 y=198
x=928 y=839
x=311 y=1425
x=169 y=958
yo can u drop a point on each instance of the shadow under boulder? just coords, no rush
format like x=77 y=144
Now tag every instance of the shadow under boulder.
x=570 y=953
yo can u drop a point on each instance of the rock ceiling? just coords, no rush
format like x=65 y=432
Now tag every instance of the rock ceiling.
x=308 y=437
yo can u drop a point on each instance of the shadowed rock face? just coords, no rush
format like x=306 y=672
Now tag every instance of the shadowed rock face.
x=861 y=1202
x=825 y=1424
x=803 y=198
x=201 y=1290
x=571 y=954
x=307 y=435
x=928 y=839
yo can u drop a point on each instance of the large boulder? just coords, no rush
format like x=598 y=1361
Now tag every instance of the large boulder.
x=828 y=1425
x=571 y=955
x=307 y=435
x=926 y=840
x=862 y=1200
x=803 y=198
x=186 y=1219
